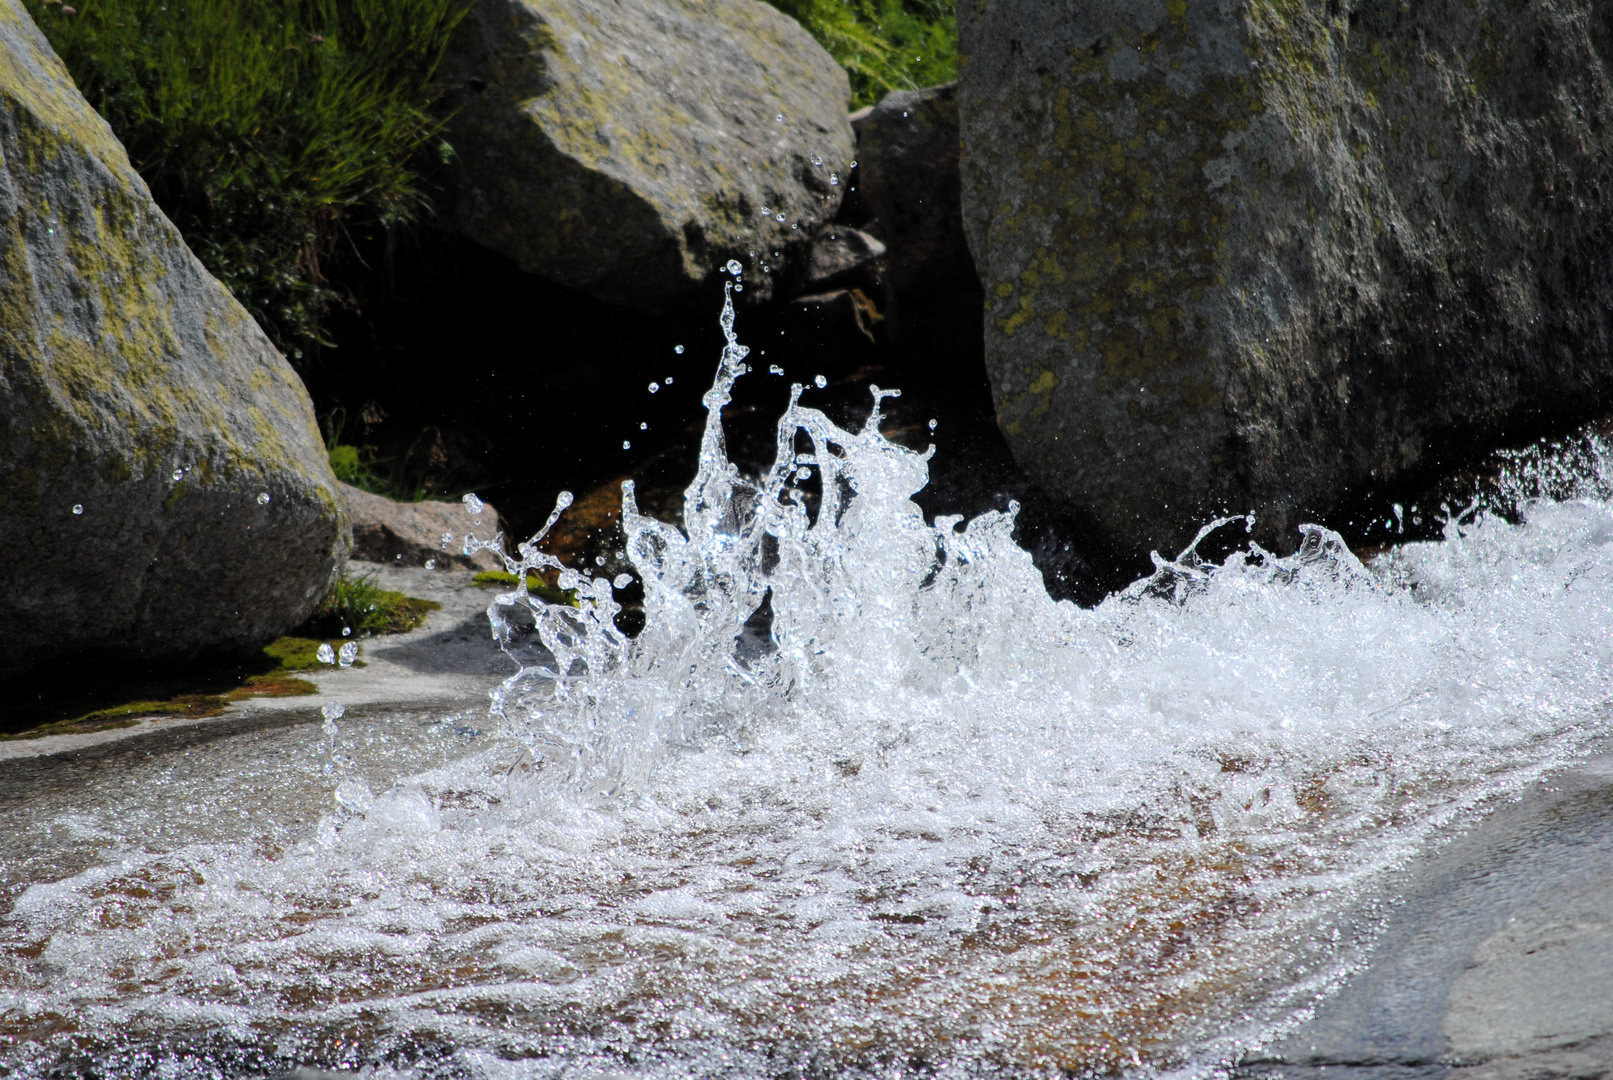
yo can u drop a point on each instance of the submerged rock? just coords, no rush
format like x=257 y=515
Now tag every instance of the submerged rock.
x=416 y=533
x=1251 y=256
x=629 y=148
x=164 y=490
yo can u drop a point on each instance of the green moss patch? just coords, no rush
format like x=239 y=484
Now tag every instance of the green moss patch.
x=81 y=696
x=535 y=585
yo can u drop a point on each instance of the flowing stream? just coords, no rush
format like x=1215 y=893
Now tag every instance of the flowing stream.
x=860 y=799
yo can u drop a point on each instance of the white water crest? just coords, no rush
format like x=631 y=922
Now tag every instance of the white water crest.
x=860 y=798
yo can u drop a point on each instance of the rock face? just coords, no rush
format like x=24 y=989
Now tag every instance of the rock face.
x=411 y=534
x=907 y=165
x=837 y=253
x=629 y=148
x=163 y=488
x=1254 y=254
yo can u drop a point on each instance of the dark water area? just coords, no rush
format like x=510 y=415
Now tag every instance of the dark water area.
x=483 y=378
x=464 y=373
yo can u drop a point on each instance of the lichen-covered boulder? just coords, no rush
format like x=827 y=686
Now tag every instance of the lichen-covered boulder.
x=1263 y=254
x=629 y=148
x=163 y=488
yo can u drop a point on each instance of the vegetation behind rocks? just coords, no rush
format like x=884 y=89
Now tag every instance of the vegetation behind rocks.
x=884 y=45
x=267 y=129
x=274 y=131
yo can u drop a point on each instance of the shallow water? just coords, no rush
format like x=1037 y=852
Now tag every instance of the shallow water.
x=860 y=798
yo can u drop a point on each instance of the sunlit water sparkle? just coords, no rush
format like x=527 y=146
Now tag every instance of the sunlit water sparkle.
x=928 y=821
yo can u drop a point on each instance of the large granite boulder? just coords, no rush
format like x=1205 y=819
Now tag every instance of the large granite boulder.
x=1251 y=255
x=630 y=148
x=163 y=488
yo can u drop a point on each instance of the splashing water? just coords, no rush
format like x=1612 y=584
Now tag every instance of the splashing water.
x=860 y=797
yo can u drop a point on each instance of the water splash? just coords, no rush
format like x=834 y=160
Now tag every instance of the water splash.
x=859 y=795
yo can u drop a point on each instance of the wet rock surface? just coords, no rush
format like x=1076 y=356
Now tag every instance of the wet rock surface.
x=631 y=149
x=1497 y=961
x=1244 y=257
x=164 y=491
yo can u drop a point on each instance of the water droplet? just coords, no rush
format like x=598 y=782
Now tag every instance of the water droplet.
x=78 y=508
x=779 y=118
x=820 y=382
x=263 y=498
x=599 y=560
x=669 y=380
x=834 y=179
x=739 y=288
x=431 y=564
x=655 y=388
x=853 y=164
x=179 y=474
x=347 y=654
x=326 y=654
x=803 y=473
x=816 y=160
x=473 y=504
x=795 y=225
x=774 y=369
x=626 y=445
x=678 y=349
x=346 y=631
x=623 y=581
x=644 y=425
x=932 y=425
x=733 y=267
x=447 y=538
x=332 y=713
x=777 y=217
x=767 y=212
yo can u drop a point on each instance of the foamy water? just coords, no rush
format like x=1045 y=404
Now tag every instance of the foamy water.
x=916 y=817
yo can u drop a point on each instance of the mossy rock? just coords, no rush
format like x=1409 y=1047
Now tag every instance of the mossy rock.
x=164 y=491
x=629 y=148
x=1263 y=254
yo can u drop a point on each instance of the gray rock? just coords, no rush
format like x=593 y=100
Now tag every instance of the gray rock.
x=412 y=534
x=122 y=363
x=1242 y=255
x=1496 y=954
x=836 y=252
x=629 y=148
x=907 y=174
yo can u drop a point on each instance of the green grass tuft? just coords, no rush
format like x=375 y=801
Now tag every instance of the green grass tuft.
x=884 y=45
x=358 y=604
x=267 y=129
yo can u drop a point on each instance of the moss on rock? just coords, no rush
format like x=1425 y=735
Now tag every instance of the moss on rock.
x=1251 y=255
x=143 y=414
x=629 y=149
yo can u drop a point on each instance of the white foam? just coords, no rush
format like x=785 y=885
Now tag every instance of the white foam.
x=931 y=815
